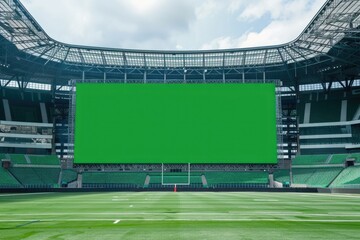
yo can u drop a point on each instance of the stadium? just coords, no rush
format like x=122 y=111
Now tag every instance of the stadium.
x=243 y=143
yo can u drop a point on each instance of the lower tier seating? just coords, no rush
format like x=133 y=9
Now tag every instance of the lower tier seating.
x=237 y=179
x=36 y=177
x=113 y=179
x=315 y=177
x=348 y=178
x=7 y=180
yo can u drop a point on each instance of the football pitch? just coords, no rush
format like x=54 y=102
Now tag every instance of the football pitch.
x=181 y=215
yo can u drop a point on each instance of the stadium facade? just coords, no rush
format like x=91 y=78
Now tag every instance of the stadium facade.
x=318 y=76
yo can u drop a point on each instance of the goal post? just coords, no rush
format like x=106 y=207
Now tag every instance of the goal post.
x=171 y=174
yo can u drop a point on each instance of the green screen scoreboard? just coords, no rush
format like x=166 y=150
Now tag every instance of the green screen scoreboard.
x=175 y=123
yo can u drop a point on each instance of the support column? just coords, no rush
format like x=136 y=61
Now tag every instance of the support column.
x=343 y=114
x=307 y=113
x=7 y=110
x=43 y=111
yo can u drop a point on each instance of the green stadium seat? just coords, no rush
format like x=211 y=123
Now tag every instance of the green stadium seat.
x=348 y=178
x=7 y=180
x=68 y=176
x=310 y=160
x=315 y=177
x=44 y=160
x=338 y=158
x=18 y=159
x=182 y=177
x=113 y=179
x=36 y=177
x=237 y=179
x=282 y=176
x=356 y=156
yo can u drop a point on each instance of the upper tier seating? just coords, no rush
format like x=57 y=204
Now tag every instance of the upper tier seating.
x=338 y=158
x=310 y=160
x=18 y=159
x=44 y=160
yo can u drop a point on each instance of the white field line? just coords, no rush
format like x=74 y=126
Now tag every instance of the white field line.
x=23 y=194
x=117 y=221
x=319 y=195
x=266 y=200
x=181 y=220
x=197 y=203
x=190 y=213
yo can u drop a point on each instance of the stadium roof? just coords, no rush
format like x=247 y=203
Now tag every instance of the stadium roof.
x=336 y=20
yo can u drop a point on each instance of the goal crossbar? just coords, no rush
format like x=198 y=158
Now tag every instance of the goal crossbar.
x=175 y=183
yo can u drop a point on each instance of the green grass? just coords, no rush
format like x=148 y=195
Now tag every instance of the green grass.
x=168 y=215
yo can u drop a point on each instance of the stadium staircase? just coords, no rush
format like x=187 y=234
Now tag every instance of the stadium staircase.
x=204 y=181
x=68 y=176
x=147 y=181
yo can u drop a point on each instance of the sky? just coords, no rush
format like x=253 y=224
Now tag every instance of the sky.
x=174 y=24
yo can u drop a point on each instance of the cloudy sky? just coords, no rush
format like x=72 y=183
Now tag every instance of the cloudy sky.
x=174 y=24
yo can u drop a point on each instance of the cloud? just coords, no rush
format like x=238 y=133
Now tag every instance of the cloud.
x=208 y=8
x=288 y=20
x=171 y=24
x=116 y=23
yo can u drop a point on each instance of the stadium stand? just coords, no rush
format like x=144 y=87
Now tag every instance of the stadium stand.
x=356 y=156
x=338 y=158
x=36 y=177
x=282 y=176
x=237 y=179
x=7 y=180
x=348 y=178
x=113 y=179
x=18 y=159
x=44 y=160
x=179 y=178
x=315 y=177
x=68 y=176
x=310 y=160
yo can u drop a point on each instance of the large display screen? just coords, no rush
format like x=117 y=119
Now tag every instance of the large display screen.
x=175 y=123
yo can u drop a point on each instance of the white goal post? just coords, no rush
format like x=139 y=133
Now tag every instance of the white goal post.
x=165 y=168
